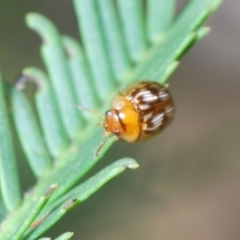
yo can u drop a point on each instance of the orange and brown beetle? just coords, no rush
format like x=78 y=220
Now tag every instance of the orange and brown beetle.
x=138 y=112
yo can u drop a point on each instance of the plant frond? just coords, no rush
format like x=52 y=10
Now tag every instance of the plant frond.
x=10 y=187
x=121 y=42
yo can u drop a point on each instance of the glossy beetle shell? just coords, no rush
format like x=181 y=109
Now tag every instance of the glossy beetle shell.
x=139 y=111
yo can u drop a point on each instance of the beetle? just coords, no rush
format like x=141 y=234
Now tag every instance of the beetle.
x=138 y=112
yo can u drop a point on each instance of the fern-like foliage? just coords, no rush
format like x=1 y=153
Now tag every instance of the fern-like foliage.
x=122 y=41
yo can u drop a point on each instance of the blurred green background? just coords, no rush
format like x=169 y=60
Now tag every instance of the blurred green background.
x=188 y=183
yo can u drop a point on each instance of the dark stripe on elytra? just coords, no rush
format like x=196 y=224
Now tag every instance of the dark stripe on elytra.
x=156 y=130
x=151 y=124
x=154 y=106
x=120 y=120
x=156 y=110
x=165 y=121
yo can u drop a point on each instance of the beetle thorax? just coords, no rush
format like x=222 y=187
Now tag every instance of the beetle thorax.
x=122 y=120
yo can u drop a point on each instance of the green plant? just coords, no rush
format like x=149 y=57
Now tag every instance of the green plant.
x=117 y=50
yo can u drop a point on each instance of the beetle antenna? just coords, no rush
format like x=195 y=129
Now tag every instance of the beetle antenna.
x=88 y=110
x=101 y=146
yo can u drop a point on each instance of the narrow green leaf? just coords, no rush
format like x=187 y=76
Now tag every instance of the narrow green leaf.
x=199 y=34
x=168 y=71
x=29 y=134
x=53 y=55
x=159 y=17
x=50 y=120
x=82 y=192
x=10 y=188
x=194 y=14
x=44 y=238
x=94 y=44
x=131 y=14
x=3 y=210
x=65 y=236
x=34 y=212
x=82 y=79
x=114 y=38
